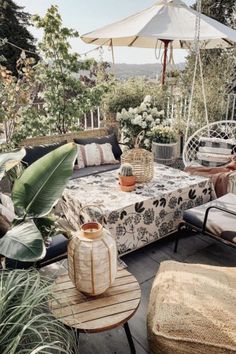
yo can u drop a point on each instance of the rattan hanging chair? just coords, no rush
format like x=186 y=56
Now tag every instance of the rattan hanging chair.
x=225 y=129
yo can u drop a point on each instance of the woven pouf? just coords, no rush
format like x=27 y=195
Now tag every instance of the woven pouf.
x=192 y=310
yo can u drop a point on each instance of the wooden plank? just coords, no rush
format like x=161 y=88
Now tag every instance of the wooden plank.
x=124 y=280
x=77 y=317
x=63 y=282
x=108 y=322
x=80 y=307
x=63 y=286
x=73 y=293
x=69 y=285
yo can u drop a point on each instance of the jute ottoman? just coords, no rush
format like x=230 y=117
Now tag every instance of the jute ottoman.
x=192 y=310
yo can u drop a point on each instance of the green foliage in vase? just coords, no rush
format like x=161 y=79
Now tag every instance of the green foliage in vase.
x=27 y=326
x=139 y=119
x=163 y=134
x=26 y=217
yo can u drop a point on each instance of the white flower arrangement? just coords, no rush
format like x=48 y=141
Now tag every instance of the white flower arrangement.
x=142 y=118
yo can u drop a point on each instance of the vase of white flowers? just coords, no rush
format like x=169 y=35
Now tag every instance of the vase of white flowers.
x=164 y=143
x=142 y=118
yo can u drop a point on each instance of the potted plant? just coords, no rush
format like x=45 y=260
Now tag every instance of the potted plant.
x=26 y=214
x=139 y=119
x=164 y=143
x=126 y=178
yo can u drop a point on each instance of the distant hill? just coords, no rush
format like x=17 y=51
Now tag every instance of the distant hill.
x=151 y=71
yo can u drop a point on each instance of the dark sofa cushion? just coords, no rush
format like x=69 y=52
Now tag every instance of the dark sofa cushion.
x=56 y=251
x=111 y=139
x=33 y=153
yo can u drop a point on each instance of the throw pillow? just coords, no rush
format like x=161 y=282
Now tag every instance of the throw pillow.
x=215 y=152
x=212 y=160
x=110 y=139
x=33 y=153
x=216 y=145
x=95 y=155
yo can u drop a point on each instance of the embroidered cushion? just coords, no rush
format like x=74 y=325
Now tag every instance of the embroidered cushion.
x=214 y=152
x=95 y=155
x=110 y=139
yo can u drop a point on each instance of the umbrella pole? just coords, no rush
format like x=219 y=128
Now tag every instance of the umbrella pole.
x=113 y=58
x=166 y=43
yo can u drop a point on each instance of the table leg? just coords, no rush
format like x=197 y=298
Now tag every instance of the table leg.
x=130 y=339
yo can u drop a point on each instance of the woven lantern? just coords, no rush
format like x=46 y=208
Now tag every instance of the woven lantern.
x=92 y=259
x=141 y=160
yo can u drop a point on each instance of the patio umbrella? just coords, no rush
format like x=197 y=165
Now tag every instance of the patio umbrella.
x=167 y=21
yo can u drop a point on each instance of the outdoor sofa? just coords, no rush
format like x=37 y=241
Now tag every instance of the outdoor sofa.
x=40 y=146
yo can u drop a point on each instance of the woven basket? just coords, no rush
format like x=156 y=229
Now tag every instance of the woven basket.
x=92 y=259
x=141 y=160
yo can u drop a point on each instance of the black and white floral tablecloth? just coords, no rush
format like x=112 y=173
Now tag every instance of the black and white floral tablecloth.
x=154 y=210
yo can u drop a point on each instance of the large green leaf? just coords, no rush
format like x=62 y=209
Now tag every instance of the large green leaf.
x=9 y=160
x=42 y=183
x=23 y=243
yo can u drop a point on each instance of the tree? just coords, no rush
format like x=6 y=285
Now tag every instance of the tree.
x=16 y=93
x=65 y=96
x=221 y=10
x=218 y=67
x=13 y=27
x=51 y=96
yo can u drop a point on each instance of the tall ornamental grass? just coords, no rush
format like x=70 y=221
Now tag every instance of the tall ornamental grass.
x=26 y=324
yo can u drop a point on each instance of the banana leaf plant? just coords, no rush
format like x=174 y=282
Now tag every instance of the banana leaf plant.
x=34 y=195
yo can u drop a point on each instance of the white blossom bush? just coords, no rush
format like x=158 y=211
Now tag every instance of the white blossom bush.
x=135 y=120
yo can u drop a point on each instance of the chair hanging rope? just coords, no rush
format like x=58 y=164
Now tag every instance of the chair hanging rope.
x=198 y=61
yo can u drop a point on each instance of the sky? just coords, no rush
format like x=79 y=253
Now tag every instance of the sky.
x=87 y=15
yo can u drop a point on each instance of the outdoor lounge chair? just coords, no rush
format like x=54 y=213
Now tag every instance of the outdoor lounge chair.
x=216 y=219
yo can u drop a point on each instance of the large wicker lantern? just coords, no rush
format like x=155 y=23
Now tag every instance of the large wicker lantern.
x=92 y=259
x=141 y=160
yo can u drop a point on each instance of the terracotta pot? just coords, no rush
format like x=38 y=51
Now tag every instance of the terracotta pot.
x=127 y=188
x=127 y=180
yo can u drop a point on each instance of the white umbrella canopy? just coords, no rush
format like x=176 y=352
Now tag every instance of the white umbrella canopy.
x=166 y=20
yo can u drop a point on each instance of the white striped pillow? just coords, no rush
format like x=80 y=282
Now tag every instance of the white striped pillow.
x=95 y=155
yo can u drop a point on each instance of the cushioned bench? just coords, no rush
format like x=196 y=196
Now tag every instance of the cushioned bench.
x=192 y=310
x=219 y=224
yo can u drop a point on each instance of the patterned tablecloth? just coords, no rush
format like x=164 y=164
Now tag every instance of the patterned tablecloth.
x=154 y=210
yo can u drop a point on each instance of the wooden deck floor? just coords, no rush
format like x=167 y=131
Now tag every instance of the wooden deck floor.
x=144 y=264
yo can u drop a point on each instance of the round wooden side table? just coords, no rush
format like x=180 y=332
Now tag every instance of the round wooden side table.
x=93 y=314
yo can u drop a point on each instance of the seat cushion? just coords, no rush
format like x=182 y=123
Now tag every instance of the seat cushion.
x=56 y=251
x=110 y=139
x=93 y=170
x=192 y=310
x=219 y=223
